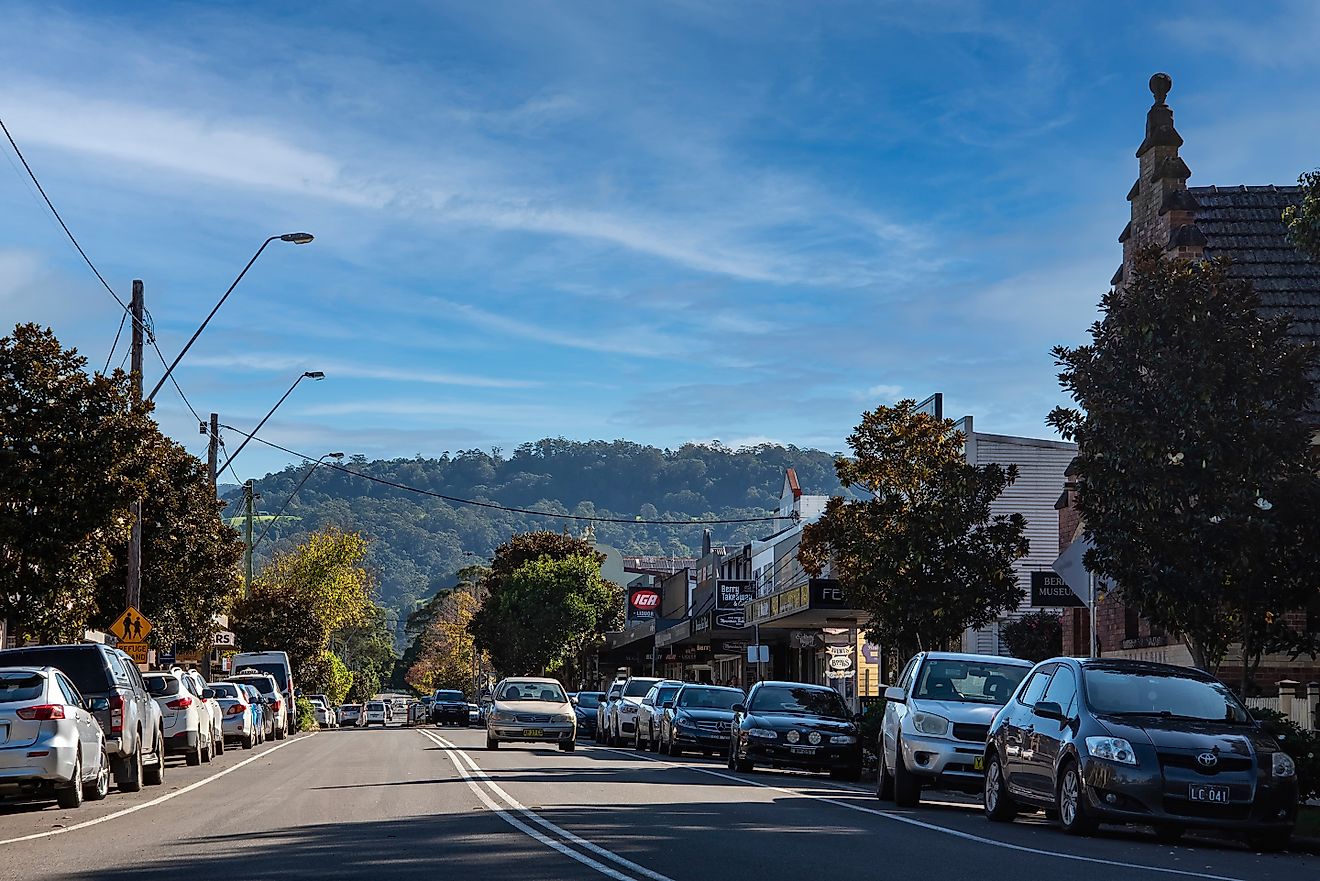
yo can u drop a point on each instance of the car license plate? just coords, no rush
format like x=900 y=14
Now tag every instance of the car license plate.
x=1202 y=792
x=533 y=732
x=803 y=750
x=978 y=763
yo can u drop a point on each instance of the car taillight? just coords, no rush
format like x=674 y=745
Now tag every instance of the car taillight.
x=181 y=703
x=41 y=713
x=116 y=713
x=236 y=710
x=275 y=705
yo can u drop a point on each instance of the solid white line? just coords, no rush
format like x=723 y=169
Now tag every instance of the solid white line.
x=519 y=824
x=155 y=801
x=536 y=818
x=968 y=836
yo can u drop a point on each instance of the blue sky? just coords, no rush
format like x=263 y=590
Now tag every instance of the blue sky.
x=657 y=221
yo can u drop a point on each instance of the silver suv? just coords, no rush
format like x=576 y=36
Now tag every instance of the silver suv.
x=116 y=695
x=936 y=722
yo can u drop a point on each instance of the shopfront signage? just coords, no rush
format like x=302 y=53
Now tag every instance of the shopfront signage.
x=733 y=595
x=827 y=593
x=728 y=646
x=643 y=603
x=734 y=620
x=1050 y=591
x=701 y=624
x=840 y=662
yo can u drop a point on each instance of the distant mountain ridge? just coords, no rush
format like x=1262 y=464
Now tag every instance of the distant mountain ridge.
x=419 y=541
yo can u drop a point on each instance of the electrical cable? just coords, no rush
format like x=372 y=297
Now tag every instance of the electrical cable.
x=498 y=507
x=115 y=344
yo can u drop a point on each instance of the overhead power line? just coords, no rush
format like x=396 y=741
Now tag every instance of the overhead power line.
x=506 y=508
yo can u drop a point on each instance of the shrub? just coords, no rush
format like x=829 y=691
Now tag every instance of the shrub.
x=1302 y=745
x=306 y=715
x=1034 y=637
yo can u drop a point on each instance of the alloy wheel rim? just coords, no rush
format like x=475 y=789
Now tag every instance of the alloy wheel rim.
x=992 y=787
x=1068 y=810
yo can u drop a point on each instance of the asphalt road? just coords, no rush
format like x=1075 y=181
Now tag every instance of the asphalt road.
x=433 y=803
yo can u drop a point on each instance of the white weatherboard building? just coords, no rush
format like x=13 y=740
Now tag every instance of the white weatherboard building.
x=1041 y=464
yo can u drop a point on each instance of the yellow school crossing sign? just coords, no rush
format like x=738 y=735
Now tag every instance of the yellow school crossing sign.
x=132 y=626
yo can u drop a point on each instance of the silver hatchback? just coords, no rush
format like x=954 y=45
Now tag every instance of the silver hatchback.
x=49 y=742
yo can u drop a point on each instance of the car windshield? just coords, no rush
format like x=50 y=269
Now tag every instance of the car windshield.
x=224 y=690
x=1172 y=695
x=533 y=691
x=589 y=700
x=452 y=696
x=638 y=687
x=276 y=670
x=20 y=686
x=262 y=684
x=375 y=708
x=978 y=682
x=161 y=686
x=85 y=667
x=666 y=694
x=799 y=700
x=709 y=698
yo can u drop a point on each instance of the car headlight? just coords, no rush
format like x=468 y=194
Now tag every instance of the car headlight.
x=763 y=732
x=501 y=716
x=929 y=723
x=683 y=722
x=1284 y=766
x=563 y=717
x=843 y=738
x=1111 y=749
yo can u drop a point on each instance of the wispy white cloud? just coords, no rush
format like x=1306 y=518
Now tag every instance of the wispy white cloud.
x=280 y=362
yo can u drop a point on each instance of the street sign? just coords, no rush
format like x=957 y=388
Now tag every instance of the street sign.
x=165 y=656
x=131 y=626
x=757 y=654
x=1050 y=591
x=224 y=638
x=1073 y=571
x=135 y=650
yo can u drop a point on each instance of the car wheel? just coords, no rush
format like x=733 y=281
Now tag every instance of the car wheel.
x=567 y=746
x=884 y=781
x=1169 y=833
x=249 y=741
x=492 y=742
x=154 y=775
x=998 y=804
x=674 y=749
x=219 y=747
x=195 y=756
x=1269 y=842
x=1073 y=815
x=100 y=786
x=128 y=771
x=907 y=786
x=71 y=796
x=637 y=739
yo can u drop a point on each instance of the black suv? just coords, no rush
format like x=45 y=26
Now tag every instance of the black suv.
x=449 y=707
x=115 y=694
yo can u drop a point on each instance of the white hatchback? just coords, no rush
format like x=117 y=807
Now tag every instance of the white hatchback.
x=374 y=713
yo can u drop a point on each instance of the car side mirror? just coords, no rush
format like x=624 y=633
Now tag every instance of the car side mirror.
x=896 y=694
x=96 y=704
x=669 y=705
x=208 y=694
x=738 y=708
x=1049 y=710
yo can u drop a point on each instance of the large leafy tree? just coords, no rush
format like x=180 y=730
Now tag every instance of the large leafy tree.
x=1196 y=475
x=543 y=600
x=1035 y=636
x=1303 y=221
x=368 y=652
x=923 y=556
x=448 y=657
x=67 y=443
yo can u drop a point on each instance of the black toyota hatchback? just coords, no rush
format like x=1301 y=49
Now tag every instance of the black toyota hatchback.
x=1121 y=741
x=795 y=725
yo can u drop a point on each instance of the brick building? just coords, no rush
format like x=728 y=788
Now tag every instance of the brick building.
x=1243 y=223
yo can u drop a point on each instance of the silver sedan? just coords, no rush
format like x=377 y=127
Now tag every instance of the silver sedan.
x=49 y=742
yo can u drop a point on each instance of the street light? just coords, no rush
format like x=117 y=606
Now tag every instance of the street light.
x=311 y=374
x=290 y=500
x=297 y=238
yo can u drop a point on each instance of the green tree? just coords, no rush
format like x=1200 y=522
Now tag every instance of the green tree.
x=448 y=655
x=1303 y=221
x=327 y=674
x=924 y=556
x=1035 y=636
x=368 y=652
x=1196 y=475
x=66 y=443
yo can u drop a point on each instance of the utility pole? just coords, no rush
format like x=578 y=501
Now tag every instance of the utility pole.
x=247 y=556
x=213 y=448
x=134 y=585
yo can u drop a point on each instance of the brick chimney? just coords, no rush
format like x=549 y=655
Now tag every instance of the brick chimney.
x=1163 y=210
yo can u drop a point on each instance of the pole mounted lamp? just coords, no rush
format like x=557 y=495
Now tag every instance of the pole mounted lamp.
x=297 y=238
x=310 y=374
x=289 y=500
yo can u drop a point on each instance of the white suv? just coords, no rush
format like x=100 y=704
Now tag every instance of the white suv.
x=191 y=722
x=622 y=726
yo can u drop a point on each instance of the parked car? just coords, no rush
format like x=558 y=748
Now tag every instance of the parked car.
x=622 y=722
x=276 y=665
x=586 y=704
x=375 y=713
x=187 y=721
x=265 y=720
x=110 y=683
x=646 y=730
x=698 y=717
x=795 y=725
x=237 y=719
x=350 y=715
x=1124 y=741
x=325 y=717
x=474 y=715
x=936 y=722
x=603 y=712
x=272 y=698
x=531 y=709
x=449 y=707
x=49 y=741
x=198 y=686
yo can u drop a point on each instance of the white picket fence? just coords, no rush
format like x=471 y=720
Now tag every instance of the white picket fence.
x=1302 y=705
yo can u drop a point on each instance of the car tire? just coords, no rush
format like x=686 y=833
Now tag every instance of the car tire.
x=99 y=788
x=279 y=733
x=637 y=740
x=884 y=781
x=154 y=775
x=71 y=796
x=907 y=786
x=128 y=771
x=674 y=749
x=248 y=741
x=1272 y=841
x=219 y=747
x=195 y=755
x=1071 y=799
x=998 y=804
x=1170 y=833
x=567 y=746
x=492 y=742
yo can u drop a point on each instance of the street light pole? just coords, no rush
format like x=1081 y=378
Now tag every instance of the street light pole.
x=297 y=238
x=251 y=544
x=311 y=374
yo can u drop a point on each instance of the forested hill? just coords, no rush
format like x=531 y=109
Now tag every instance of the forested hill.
x=419 y=541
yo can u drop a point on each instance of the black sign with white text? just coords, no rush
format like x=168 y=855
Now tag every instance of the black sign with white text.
x=1049 y=591
x=827 y=593
x=733 y=595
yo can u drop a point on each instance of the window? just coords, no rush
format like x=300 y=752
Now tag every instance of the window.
x=1115 y=692
x=18 y=687
x=905 y=678
x=1035 y=686
x=709 y=698
x=70 y=691
x=637 y=687
x=805 y=701
x=162 y=686
x=947 y=679
x=1062 y=689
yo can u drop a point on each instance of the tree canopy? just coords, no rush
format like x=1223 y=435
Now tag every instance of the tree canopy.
x=1303 y=221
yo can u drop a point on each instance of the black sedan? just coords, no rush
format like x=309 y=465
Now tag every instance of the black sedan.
x=699 y=717
x=584 y=707
x=1121 y=741
x=796 y=725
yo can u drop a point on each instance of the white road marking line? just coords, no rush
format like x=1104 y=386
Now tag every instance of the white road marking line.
x=968 y=836
x=541 y=821
x=155 y=801
x=513 y=821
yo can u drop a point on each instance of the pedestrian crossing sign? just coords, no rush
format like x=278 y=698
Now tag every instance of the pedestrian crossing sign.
x=132 y=626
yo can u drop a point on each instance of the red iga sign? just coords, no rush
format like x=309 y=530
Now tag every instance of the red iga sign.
x=646 y=600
